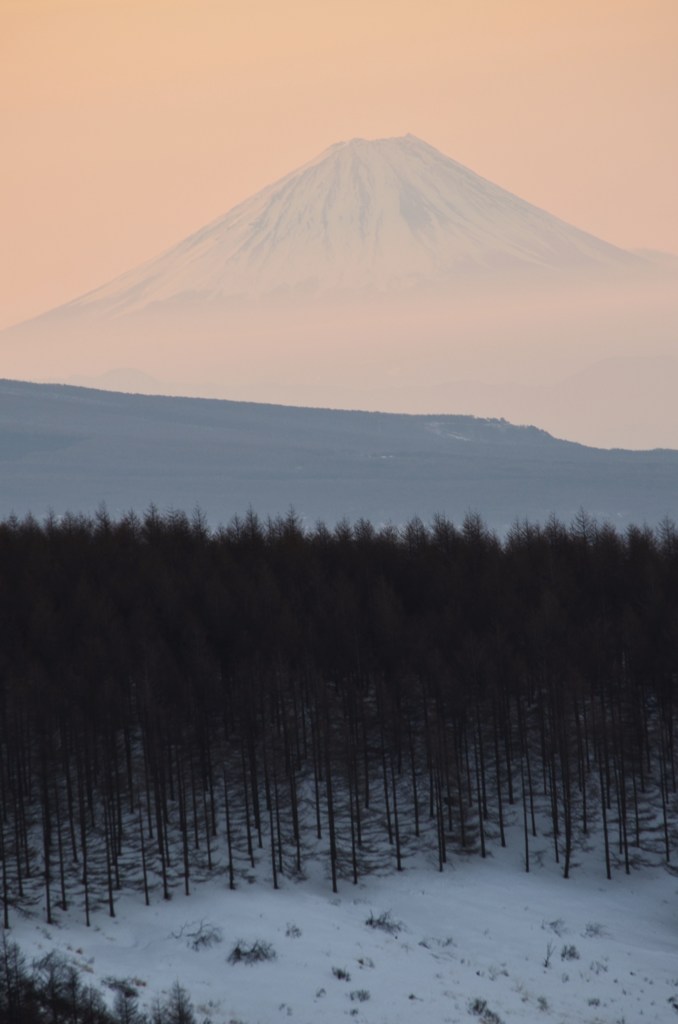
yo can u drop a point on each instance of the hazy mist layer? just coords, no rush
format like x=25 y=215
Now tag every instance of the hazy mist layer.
x=596 y=364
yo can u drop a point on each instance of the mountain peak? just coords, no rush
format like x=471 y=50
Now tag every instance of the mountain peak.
x=386 y=140
x=371 y=148
x=365 y=215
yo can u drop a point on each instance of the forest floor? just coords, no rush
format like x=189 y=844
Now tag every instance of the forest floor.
x=481 y=941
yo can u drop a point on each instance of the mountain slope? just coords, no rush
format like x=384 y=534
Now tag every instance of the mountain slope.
x=66 y=448
x=381 y=275
x=383 y=214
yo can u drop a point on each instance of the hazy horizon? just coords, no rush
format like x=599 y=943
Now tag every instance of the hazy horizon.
x=602 y=371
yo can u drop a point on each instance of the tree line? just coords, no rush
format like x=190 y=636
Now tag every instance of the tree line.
x=178 y=702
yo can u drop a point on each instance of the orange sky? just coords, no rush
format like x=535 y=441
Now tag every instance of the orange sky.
x=126 y=124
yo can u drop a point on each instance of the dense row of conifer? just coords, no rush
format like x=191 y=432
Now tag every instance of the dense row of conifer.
x=176 y=701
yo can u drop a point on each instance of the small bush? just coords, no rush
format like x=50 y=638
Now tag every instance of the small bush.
x=428 y=943
x=360 y=995
x=341 y=974
x=569 y=953
x=128 y=986
x=255 y=953
x=206 y=938
x=199 y=935
x=293 y=931
x=384 y=923
x=479 y=1008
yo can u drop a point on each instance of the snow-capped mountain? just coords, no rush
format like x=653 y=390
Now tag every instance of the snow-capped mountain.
x=381 y=275
x=364 y=215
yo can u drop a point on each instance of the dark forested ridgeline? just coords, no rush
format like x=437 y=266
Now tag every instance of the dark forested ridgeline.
x=177 y=702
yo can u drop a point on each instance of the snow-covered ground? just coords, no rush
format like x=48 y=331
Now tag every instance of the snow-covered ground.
x=481 y=941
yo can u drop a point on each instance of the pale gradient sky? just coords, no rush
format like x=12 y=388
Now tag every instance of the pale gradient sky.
x=127 y=125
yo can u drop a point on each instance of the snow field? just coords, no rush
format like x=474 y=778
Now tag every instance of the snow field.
x=481 y=941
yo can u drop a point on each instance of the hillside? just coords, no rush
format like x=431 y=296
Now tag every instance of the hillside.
x=66 y=448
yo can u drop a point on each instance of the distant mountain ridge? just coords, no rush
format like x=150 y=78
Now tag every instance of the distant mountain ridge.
x=70 y=449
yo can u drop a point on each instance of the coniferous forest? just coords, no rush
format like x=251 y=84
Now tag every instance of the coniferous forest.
x=178 y=702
